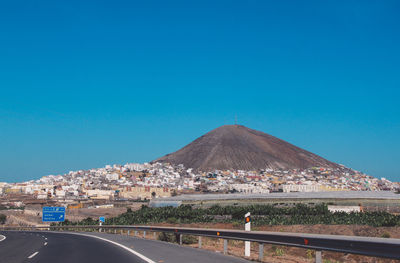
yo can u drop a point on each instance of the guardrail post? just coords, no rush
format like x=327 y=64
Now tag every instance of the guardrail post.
x=129 y=232
x=144 y=234
x=199 y=241
x=318 y=256
x=180 y=239
x=115 y=231
x=225 y=246
x=154 y=235
x=260 y=252
x=135 y=232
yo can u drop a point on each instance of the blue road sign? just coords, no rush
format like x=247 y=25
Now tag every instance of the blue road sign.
x=102 y=219
x=53 y=214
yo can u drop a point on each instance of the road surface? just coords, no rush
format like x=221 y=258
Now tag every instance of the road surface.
x=60 y=247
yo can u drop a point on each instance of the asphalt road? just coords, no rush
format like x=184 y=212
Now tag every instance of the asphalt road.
x=165 y=252
x=60 y=247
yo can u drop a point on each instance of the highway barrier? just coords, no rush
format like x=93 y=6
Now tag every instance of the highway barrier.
x=368 y=246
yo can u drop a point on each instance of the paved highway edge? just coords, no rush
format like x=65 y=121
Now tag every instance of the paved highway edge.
x=114 y=243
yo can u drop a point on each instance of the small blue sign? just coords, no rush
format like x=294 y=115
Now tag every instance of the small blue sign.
x=53 y=214
x=102 y=219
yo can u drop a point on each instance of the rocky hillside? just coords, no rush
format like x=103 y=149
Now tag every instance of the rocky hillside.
x=238 y=147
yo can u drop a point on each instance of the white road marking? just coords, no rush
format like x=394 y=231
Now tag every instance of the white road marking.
x=118 y=244
x=2 y=238
x=45 y=243
x=45 y=238
x=34 y=254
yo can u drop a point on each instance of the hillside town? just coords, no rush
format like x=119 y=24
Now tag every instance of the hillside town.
x=146 y=181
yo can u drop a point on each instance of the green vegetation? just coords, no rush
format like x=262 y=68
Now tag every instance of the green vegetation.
x=330 y=261
x=278 y=251
x=2 y=207
x=3 y=219
x=174 y=238
x=310 y=254
x=261 y=215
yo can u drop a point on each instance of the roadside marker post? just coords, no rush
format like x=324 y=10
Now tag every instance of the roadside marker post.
x=247 y=227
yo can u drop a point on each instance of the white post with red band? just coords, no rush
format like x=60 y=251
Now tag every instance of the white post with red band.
x=247 y=227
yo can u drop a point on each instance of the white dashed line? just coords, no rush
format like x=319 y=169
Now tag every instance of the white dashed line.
x=45 y=243
x=2 y=237
x=34 y=254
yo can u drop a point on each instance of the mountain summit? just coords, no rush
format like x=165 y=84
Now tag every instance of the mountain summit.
x=235 y=147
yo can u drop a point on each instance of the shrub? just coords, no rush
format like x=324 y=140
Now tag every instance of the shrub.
x=279 y=252
x=189 y=239
x=310 y=254
x=3 y=219
x=167 y=237
x=174 y=238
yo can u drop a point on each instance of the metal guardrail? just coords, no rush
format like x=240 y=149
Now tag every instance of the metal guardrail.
x=368 y=246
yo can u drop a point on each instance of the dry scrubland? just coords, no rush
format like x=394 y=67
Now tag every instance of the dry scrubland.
x=32 y=216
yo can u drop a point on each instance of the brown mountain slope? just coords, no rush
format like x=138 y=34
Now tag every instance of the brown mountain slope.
x=240 y=148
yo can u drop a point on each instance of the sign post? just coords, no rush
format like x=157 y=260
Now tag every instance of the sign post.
x=53 y=214
x=247 y=227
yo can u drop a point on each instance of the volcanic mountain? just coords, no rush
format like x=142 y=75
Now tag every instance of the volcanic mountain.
x=235 y=147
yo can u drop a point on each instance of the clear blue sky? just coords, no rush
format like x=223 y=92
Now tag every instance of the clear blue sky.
x=89 y=83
